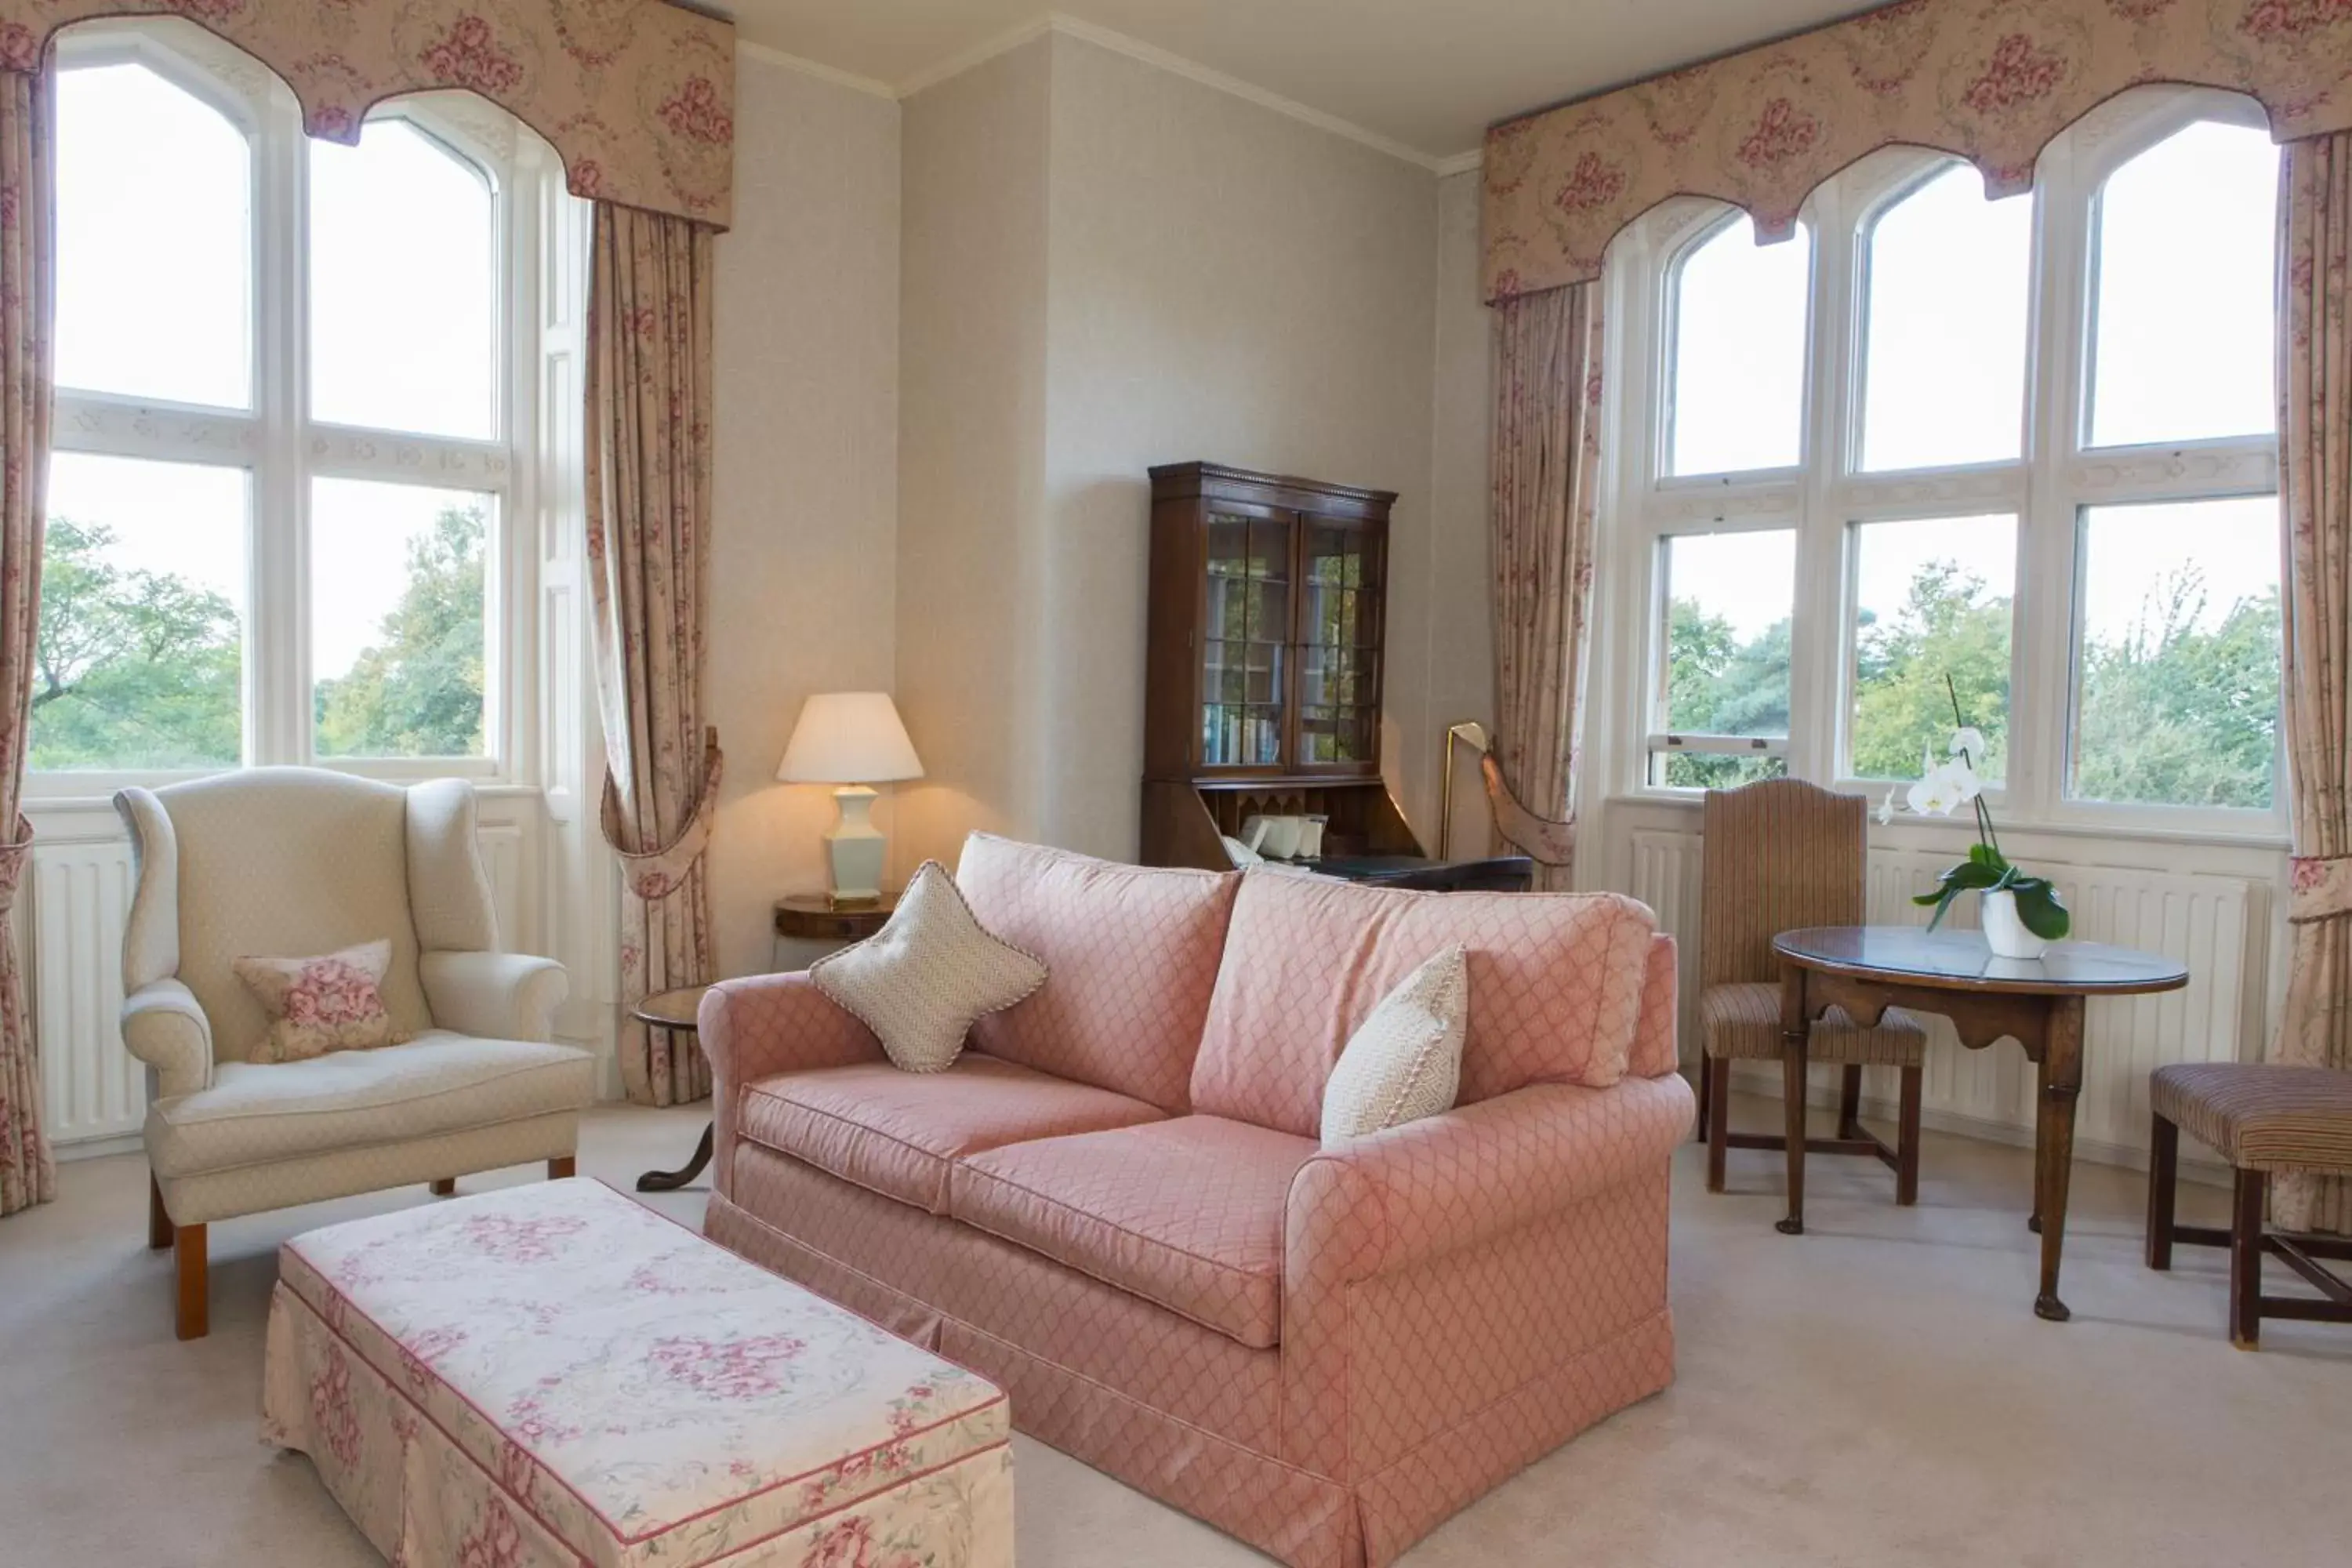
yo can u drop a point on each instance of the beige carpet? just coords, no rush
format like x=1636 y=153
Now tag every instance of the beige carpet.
x=1876 y=1392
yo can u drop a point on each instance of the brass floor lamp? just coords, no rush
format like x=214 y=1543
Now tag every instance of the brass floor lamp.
x=1473 y=734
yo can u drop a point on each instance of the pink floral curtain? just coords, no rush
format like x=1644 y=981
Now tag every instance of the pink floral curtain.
x=28 y=260
x=1546 y=460
x=648 y=494
x=2316 y=469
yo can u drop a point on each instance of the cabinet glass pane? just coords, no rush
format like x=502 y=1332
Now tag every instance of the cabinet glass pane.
x=1339 y=692
x=1246 y=623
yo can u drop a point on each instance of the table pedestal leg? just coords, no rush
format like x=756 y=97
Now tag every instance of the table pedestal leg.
x=1793 y=1030
x=2062 y=1082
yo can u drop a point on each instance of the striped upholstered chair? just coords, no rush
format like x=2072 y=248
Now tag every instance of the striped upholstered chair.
x=2260 y=1120
x=1781 y=855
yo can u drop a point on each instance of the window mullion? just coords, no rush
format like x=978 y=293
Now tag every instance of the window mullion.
x=2041 y=710
x=1816 y=637
x=279 y=677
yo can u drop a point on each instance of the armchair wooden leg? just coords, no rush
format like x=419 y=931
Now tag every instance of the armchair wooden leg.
x=2163 y=1189
x=159 y=1223
x=1706 y=1097
x=192 y=1319
x=1792 y=1113
x=445 y=1186
x=2246 y=1260
x=562 y=1166
x=1716 y=1071
x=1906 y=1137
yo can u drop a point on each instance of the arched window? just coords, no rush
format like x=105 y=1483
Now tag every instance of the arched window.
x=288 y=442
x=2032 y=465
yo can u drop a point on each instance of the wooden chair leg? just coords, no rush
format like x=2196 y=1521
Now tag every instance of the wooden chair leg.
x=1850 y=1101
x=158 y=1222
x=562 y=1166
x=2163 y=1185
x=1715 y=1073
x=1792 y=1114
x=192 y=1318
x=1906 y=1137
x=2246 y=1260
x=1705 y=1096
x=444 y=1187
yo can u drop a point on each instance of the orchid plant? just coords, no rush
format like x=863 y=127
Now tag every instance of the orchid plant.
x=1941 y=790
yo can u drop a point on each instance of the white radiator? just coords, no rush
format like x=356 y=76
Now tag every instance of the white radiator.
x=2215 y=924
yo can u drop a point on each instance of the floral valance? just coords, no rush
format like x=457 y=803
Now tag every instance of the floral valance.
x=1989 y=80
x=637 y=95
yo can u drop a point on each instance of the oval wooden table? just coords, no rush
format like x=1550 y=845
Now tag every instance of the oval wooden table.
x=2037 y=1001
x=675 y=1010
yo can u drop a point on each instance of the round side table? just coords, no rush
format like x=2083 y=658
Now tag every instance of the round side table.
x=807 y=927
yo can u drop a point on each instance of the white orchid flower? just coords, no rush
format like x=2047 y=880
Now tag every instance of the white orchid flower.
x=1964 y=779
x=1933 y=795
x=1968 y=742
x=1886 y=807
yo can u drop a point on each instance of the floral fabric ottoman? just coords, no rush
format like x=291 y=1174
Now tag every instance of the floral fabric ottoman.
x=552 y=1376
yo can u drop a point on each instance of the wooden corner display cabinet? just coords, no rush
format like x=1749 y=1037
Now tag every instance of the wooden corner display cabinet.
x=1263 y=663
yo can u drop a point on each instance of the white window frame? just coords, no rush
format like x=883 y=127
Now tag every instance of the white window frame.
x=2056 y=480
x=283 y=449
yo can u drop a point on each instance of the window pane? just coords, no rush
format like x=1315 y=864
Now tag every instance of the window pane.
x=1932 y=601
x=1949 y=275
x=403 y=280
x=154 y=241
x=1727 y=649
x=2178 y=695
x=1739 y=352
x=2186 y=322
x=397 y=619
x=142 y=612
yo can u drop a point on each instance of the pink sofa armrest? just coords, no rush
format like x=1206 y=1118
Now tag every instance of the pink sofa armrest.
x=754 y=1028
x=1401 y=1197
x=1656 y=1050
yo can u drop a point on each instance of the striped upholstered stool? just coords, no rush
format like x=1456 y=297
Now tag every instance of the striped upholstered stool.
x=2260 y=1120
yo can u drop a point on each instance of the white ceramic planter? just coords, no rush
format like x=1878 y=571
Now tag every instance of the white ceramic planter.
x=2004 y=932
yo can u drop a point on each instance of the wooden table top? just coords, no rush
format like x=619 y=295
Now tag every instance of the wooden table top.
x=670 y=1009
x=1960 y=960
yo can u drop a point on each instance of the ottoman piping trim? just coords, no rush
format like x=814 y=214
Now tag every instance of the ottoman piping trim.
x=556 y=1476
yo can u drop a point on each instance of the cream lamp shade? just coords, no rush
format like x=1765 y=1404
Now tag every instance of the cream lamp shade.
x=852 y=738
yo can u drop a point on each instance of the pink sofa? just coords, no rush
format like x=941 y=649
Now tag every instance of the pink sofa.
x=1115 y=1206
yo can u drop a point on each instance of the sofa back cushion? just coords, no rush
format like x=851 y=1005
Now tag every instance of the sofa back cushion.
x=1130 y=956
x=1556 y=988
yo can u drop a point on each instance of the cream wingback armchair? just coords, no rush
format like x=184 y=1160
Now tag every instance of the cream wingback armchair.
x=296 y=862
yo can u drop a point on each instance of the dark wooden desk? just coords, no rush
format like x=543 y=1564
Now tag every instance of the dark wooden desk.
x=1489 y=874
x=2036 y=1002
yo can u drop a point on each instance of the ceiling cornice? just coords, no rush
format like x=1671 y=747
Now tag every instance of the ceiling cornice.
x=1133 y=48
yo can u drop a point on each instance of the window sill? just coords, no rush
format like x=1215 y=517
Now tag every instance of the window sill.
x=2264 y=838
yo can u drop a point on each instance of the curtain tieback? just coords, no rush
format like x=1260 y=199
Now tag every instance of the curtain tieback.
x=2320 y=888
x=655 y=874
x=15 y=857
x=1550 y=842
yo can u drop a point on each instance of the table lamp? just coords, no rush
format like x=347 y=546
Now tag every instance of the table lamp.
x=852 y=740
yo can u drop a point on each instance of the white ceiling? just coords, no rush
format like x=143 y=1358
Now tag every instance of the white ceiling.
x=1430 y=75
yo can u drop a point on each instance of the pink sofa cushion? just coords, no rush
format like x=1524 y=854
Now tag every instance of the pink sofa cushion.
x=897 y=1132
x=1130 y=954
x=1556 y=987
x=1186 y=1212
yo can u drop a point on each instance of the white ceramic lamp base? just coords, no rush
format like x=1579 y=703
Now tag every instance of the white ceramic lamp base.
x=855 y=848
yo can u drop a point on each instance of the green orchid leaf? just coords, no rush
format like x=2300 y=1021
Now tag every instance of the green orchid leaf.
x=2040 y=910
x=1986 y=856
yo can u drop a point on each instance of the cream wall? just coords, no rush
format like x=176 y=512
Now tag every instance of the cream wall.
x=1225 y=283
x=971 y=451
x=1461 y=654
x=1109 y=266
x=804 y=546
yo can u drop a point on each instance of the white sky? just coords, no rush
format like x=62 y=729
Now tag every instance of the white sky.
x=1748 y=579
x=1950 y=277
x=155 y=214
x=1739 y=352
x=2129 y=551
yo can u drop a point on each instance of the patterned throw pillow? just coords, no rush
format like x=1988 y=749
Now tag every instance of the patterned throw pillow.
x=333 y=1002
x=1404 y=1062
x=928 y=975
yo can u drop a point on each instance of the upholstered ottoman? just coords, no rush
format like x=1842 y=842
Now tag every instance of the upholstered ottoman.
x=552 y=1376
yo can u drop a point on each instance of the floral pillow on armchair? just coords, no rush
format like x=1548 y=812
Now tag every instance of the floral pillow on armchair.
x=332 y=1003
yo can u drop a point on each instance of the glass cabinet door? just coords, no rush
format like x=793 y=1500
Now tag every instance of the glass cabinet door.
x=1244 y=639
x=1339 y=643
